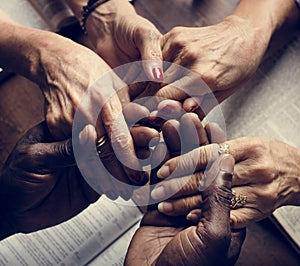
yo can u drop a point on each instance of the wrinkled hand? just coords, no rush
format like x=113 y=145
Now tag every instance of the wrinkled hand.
x=67 y=71
x=224 y=55
x=40 y=185
x=266 y=171
x=121 y=36
x=162 y=241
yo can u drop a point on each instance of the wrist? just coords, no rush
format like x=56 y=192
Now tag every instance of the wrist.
x=17 y=54
x=107 y=10
x=267 y=16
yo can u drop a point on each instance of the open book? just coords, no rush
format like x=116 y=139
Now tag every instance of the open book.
x=51 y=15
x=80 y=241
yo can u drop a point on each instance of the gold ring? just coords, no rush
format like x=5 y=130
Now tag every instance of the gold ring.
x=223 y=148
x=100 y=142
x=237 y=201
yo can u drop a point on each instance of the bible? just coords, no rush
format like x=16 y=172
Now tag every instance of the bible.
x=99 y=235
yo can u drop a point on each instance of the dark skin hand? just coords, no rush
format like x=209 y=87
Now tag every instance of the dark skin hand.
x=166 y=241
x=41 y=186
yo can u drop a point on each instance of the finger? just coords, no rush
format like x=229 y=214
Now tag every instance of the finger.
x=171 y=136
x=143 y=154
x=148 y=43
x=135 y=89
x=192 y=103
x=183 y=84
x=215 y=133
x=240 y=148
x=121 y=141
x=51 y=156
x=192 y=131
x=217 y=200
x=100 y=175
x=169 y=109
x=134 y=112
x=195 y=160
x=144 y=136
x=237 y=240
x=194 y=216
x=159 y=155
x=177 y=187
x=155 y=120
x=259 y=205
x=180 y=206
x=242 y=217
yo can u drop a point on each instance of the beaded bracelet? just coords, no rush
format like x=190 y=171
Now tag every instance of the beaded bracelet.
x=89 y=8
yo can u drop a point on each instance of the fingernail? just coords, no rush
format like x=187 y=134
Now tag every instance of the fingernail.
x=158 y=192
x=165 y=207
x=226 y=164
x=192 y=217
x=167 y=109
x=163 y=172
x=83 y=139
x=157 y=73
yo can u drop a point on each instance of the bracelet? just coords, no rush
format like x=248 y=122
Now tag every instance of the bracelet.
x=87 y=10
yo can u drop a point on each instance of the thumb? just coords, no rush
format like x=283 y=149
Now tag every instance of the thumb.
x=59 y=154
x=148 y=42
x=217 y=199
x=51 y=155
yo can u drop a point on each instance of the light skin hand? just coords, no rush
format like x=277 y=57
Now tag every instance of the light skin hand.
x=64 y=71
x=224 y=55
x=266 y=171
x=119 y=35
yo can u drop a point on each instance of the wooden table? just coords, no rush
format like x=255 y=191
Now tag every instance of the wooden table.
x=21 y=106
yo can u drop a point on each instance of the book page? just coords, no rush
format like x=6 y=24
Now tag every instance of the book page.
x=269 y=106
x=22 y=12
x=74 y=242
x=289 y=219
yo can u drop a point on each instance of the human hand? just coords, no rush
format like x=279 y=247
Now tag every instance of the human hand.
x=266 y=171
x=224 y=55
x=40 y=185
x=121 y=36
x=65 y=71
x=163 y=241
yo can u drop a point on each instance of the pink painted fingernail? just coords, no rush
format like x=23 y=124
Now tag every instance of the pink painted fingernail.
x=157 y=73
